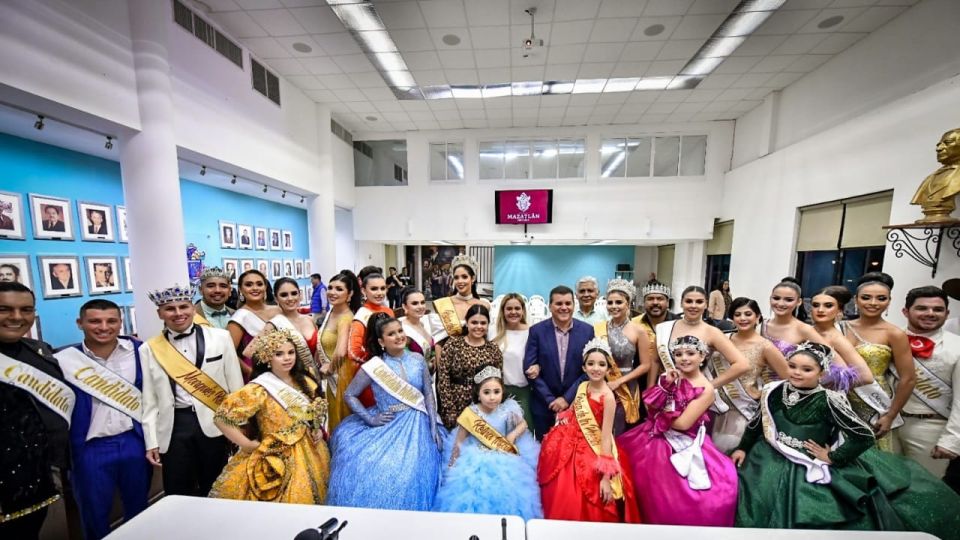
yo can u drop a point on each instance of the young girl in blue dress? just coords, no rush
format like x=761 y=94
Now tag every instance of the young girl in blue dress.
x=492 y=460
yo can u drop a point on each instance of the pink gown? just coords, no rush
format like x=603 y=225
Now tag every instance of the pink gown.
x=664 y=496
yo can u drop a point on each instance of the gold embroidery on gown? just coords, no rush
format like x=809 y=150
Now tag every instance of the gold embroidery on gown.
x=338 y=409
x=288 y=467
x=878 y=358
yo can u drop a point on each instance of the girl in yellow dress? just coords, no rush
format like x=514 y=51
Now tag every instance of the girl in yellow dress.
x=288 y=460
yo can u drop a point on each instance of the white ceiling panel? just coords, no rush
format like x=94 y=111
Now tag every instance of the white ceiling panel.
x=413 y=40
x=698 y=26
x=492 y=58
x=679 y=49
x=317 y=20
x=490 y=37
x=613 y=30
x=661 y=8
x=461 y=32
x=654 y=28
x=456 y=59
x=400 y=15
x=488 y=13
x=874 y=18
x=603 y=52
x=288 y=67
x=277 y=22
x=567 y=32
x=837 y=43
x=337 y=82
x=288 y=42
x=265 y=47
x=422 y=60
x=305 y=82
x=339 y=43
x=239 y=24
x=443 y=13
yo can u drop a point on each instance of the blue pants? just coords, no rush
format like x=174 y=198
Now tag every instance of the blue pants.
x=100 y=468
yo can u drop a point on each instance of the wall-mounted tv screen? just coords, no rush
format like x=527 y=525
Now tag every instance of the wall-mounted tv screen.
x=524 y=206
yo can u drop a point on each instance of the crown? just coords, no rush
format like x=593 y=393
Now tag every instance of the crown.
x=597 y=344
x=177 y=293
x=465 y=260
x=689 y=342
x=624 y=286
x=488 y=372
x=815 y=350
x=215 y=272
x=655 y=287
x=268 y=344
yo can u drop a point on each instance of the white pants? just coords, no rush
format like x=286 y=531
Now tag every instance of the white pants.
x=917 y=437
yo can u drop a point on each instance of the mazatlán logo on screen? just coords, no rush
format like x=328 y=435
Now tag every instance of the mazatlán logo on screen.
x=523 y=204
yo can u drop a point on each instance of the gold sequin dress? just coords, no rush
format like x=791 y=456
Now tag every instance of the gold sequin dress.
x=288 y=467
x=328 y=340
x=878 y=358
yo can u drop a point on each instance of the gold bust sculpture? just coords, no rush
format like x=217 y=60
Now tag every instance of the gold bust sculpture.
x=937 y=193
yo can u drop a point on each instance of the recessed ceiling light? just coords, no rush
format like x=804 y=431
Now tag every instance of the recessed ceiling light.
x=451 y=39
x=654 y=30
x=302 y=47
x=830 y=22
x=371 y=118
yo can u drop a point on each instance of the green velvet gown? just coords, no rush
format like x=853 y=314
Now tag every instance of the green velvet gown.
x=869 y=489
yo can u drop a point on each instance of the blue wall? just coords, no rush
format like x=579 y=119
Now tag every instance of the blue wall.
x=537 y=269
x=31 y=167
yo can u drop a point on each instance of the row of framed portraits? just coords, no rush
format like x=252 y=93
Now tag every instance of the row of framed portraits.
x=53 y=220
x=238 y=236
x=61 y=276
x=272 y=268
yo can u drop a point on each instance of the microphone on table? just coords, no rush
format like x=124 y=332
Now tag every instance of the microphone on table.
x=322 y=532
x=503 y=527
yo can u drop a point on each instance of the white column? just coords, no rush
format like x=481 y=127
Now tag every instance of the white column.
x=148 y=165
x=689 y=266
x=321 y=219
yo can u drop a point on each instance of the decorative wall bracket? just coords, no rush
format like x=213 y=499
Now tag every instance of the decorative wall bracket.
x=924 y=242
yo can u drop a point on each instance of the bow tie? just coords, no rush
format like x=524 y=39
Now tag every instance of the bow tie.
x=922 y=347
x=185 y=334
x=220 y=313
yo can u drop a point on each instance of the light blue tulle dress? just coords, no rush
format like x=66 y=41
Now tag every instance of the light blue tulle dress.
x=484 y=481
x=394 y=466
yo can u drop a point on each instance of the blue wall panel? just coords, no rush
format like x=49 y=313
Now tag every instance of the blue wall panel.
x=537 y=269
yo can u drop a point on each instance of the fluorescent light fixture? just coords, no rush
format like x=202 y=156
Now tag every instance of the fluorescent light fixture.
x=589 y=86
x=701 y=66
x=684 y=83
x=527 y=88
x=440 y=91
x=720 y=47
x=466 y=92
x=389 y=61
x=358 y=17
x=621 y=85
x=654 y=83
x=742 y=24
x=411 y=92
x=399 y=79
x=497 y=90
x=557 y=87
x=377 y=41
x=761 y=5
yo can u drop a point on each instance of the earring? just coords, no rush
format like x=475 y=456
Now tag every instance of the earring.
x=240 y=298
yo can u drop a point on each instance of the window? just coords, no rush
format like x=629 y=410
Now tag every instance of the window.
x=380 y=163
x=205 y=32
x=265 y=82
x=446 y=161
x=536 y=159
x=643 y=157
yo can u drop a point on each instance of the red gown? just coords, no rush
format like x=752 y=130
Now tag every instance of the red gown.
x=569 y=480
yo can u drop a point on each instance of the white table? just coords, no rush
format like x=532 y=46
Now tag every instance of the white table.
x=542 y=529
x=195 y=518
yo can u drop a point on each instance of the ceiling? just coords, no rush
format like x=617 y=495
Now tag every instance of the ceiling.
x=584 y=39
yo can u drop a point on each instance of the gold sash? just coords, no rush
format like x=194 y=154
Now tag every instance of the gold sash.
x=629 y=400
x=448 y=316
x=199 y=319
x=197 y=383
x=484 y=432
x=591 y=432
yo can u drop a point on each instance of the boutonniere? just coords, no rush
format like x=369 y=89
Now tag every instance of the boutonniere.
x=922 y=347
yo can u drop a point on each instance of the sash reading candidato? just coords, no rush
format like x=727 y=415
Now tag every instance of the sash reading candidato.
x=53 y=394
x=733 y=392
x=664 y=331
x=873 y=395
x=818 y=472
x=100 y=382
x=933 y=391
x=484 y=432
x=281 y=322
x=591 y=432
x=197 y=383
x=629 y=400
x=286 y=395
x=393 y=384
x=249 y=321
x=448 y=316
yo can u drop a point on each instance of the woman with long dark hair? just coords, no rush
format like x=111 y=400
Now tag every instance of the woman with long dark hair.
x=452 y=310
x=251 y=316
x=287 y=292
x=463 y=357
x=343 y=297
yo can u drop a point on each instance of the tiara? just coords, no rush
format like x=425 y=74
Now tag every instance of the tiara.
x=177 y=293
x=597 y=344
x=488 y=372
x=655 y=287
x=688 y=342
x=268 y=344
x=624 y=286
x=816 y=351
x=212 y=272
x=465 y=260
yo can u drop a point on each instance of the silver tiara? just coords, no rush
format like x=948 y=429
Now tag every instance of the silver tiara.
x=488 y=372
x=623 y=286
x=597 y=344
x=212 y=272
x=655 y=288
x=688 y=342
x=814 y=350
x=465 y=260
x=177 y=293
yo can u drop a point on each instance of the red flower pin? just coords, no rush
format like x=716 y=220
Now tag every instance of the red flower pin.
x=922 y=347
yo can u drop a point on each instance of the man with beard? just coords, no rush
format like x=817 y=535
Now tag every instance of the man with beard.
x=214 y=291
x=656 y=302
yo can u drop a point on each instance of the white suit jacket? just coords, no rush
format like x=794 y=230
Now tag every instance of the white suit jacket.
x=220 y=363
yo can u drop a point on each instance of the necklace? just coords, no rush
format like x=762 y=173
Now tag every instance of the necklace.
x=698 y=321
x=793 y=395
x=462 y=298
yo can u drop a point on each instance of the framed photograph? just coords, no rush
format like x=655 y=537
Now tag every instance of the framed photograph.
x=245 y=236
x=228 y=234
x=96 y=222
x=130 y=320
x=263 y=266
x=230 y=265
x=11 y=215
x=288 y=268
x=275 y=239
x=246 y=264
x=127 y=276
x=306 y=268
x=122 y=223
x=287 y=241
x=303 y=296
x=60 y=275
x=16 y=268
x=35 y=332
x=260 y=238
x=103 y=275
x=52 y=219
x=276 y=269
x=308 y=296
x=298 y=268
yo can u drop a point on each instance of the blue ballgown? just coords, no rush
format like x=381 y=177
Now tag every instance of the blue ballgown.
x=393 y=466
x=484 y=481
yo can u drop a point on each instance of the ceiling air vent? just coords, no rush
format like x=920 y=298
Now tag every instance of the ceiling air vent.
x=341 y=132
x=265 y=82
x=205 y=32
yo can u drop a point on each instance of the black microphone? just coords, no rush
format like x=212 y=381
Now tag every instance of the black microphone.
x=319 y=533
x=335 y=535
x=503 y=527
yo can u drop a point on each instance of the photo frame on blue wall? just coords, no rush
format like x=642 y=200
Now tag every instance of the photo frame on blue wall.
x=287 y=241
x=276 y=269
x=246 y=264
x=230 y=266
x=11 y=215
x=96 y=222
x=263 y=266
x=16 y=268
x=130 y=320
x=275 y=240
x=306 y=268
x=103 y=274
x=52 y=218
x=127 y=275
x=60 y=275
x=122 y=224
x=228 y=234
x=298 y=268
x=288 y=268
x=244 y=236
x=260 y=238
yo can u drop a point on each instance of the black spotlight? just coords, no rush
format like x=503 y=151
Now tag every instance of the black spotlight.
x=203 y=170
x=109 y=144
x=234 y=179
x=284 y=195
x=264 y=188
x=301 y=199
x=39 y=123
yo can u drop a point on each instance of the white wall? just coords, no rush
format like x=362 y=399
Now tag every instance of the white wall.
x=346 y=249
x=341 y=155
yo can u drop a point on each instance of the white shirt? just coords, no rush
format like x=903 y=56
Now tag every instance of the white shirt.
x=188 y=348
x=105 y=421
x=945 y=364
x=516 y=341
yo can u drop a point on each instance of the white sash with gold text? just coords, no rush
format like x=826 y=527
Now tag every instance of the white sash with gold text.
x=393 y=384
x=100 y=382
x=933 y=391
x=53 y=394
x=249 y=321
x=818 y=472
x=286 y=395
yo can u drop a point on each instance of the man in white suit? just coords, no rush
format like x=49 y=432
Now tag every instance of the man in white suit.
x=187 y=370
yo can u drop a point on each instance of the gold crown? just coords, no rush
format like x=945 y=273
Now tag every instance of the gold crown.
x=465 y=260
x=268 y=344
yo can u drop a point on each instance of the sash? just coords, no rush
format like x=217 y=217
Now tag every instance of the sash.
x=393 y=384
x=100 y=382
x=448 y=316
x=197 y=383
x=687 y=457
x=249 y=321
x=818 y=472
x=52 y=393
x=363 y=315
x=663 y=331
x=873 y=395
x=284 y=394
x=933 y=391
x=484 y=432
x=199 y=319
x=331 y=377
x=280 y=322
x=733 y=392
x=591 y=432
x=417 y=337
x=629 y=400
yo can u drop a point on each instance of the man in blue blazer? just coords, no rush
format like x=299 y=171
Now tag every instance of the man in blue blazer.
x=106 y=437
x=556 y=345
